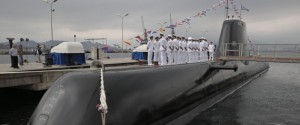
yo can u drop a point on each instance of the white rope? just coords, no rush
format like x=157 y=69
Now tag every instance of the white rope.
x=103 y=105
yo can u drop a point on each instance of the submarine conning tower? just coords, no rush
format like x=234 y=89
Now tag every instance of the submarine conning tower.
x=233 y=34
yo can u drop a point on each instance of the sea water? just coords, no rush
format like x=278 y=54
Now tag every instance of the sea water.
x=272 y=99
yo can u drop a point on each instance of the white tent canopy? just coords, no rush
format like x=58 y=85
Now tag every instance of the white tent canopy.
x=68 y=47
x=142 y=48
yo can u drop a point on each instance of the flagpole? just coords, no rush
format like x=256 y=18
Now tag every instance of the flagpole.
x=226 y=10
x=173 y=31
x=241 y=12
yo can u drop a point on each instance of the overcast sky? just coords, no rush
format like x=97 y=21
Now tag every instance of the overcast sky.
x=269 y=21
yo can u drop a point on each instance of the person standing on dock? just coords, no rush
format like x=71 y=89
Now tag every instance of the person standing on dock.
x=150 y=50
x=162 y=50
x=38 y=53
x=13 y=52
x=20 y=53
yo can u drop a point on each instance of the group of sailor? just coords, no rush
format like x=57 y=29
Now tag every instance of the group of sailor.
x=178 y=50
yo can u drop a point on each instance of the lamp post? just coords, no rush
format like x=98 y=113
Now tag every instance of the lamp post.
x=27 y=40
x=186 y=31
x=22 y=40
x=51 y=12
x=122 y=16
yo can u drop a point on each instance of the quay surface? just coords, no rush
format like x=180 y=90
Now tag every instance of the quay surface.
x=35 y=76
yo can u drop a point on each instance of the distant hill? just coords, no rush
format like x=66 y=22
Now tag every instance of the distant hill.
x=26 y=44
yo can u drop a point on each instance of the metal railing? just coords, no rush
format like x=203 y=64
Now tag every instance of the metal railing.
x=261 y=52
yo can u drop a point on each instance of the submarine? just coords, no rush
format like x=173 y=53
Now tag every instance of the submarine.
x=145 y=95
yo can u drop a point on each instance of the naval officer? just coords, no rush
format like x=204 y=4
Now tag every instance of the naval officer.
x=169 y=50
x=211 y=50
x=190 y=49
x=162 y=49
x=150 y=50
x=184 y=51
x=175 y=50
x=156 y=50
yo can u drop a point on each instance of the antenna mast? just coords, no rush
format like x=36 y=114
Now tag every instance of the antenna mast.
x=144 y=30
x=173 y=30
x=227 y=8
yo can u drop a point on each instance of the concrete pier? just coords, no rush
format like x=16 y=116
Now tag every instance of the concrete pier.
x=35 y=76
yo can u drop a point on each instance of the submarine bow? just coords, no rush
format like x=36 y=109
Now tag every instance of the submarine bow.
x=146 y=95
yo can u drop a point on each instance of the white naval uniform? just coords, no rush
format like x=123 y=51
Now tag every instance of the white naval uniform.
x=179 y=53
x=169 y=52
x=211 y=50
x=150 y=49
x=201 y=51
x=162 y=51
x=175 y=51
x=184 y=52
x=190 y=51
x=195 y=52
x=205 y=51
x=198 y=52
x=156 y=51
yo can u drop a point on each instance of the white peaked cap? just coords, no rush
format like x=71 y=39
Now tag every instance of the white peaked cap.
x=190 y=38
x=169 y=36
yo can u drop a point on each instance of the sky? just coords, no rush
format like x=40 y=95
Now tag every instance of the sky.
x=268 y=21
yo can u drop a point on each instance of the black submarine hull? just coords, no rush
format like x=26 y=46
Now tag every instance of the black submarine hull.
x=146 y=95
x=137 y=96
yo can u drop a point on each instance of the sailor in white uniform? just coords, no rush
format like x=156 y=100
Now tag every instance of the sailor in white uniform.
x=190 y=50
x=201 y=49
x=197 y=51
x=175 y=50
x=184 y=50
x=179 y=53
x=150 y=49
x=169 y=50
x=195 y=47
x=156 y=50
x=211 y=50
x=205 y=50
x=162 y=49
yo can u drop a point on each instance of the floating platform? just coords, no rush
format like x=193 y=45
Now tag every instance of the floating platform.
x=35 y=76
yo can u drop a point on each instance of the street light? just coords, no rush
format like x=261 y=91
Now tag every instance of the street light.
x=27 y=40
x=51 y=11
x=186 y=31
x=122 y=16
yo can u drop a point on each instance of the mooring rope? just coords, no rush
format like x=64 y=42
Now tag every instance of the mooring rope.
x=103 y=105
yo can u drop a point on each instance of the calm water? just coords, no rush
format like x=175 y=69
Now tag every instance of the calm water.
x=272 y=99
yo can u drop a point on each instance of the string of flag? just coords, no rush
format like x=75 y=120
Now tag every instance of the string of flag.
x=187 y=21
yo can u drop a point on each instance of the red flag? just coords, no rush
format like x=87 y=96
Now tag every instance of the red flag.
x=139 y=38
